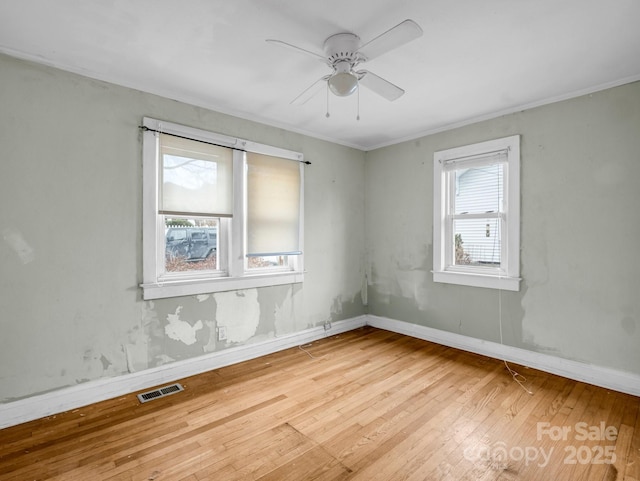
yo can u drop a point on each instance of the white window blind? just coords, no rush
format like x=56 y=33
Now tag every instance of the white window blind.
x=476 y=160
x=479 y=189
x=195 y=178
x=475 y=209
x=273 y=205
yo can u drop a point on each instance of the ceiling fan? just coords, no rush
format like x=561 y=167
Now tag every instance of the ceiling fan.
x=343 y=52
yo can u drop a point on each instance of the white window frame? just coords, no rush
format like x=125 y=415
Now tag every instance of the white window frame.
x=231 y=232
x=507 y=276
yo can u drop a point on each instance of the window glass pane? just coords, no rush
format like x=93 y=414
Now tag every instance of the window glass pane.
x=273 y=205
x=196 y=178
x=479 y=189
x=267 y=262
x=191 y=244
x=477 y=242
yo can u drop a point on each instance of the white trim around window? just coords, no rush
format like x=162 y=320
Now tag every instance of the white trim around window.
x=503 y=270
x=231 y=271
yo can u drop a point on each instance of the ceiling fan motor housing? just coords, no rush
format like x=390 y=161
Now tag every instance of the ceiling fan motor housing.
x=343 y=47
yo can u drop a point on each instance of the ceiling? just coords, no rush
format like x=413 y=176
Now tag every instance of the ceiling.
x=476 y=59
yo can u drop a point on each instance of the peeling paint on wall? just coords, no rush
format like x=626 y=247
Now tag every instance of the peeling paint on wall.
x=210 y=346
x=364 y=293
x=163 y=359
x=94 y=362
x=180 y=330
x=287 y=312
x=105 y=362
x=136 y=350
x=136 y=355
x=183 y=330
x=346 y=308
x=561 y=318
x=269 y=299
x=407 y=281
x=239 y=311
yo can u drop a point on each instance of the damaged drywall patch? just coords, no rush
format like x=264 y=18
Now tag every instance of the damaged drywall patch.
x=412 y=285
x=378 y=289
x=239 y=312
x=136 y=356
x=554 y=310
x=184 y=328
x=342 y=308
x=210 y=346
x=208 y=304
x=162 y=359
x=288 y=311
x=180 y=330
x=412 y=272
x=364 y=293
x=14 y=239
x=95 y=364
x=136 y=350
x=402 y=278
x=269 y=298
x=105 y=362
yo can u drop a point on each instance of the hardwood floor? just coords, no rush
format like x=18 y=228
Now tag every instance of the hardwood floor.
x=364 y=405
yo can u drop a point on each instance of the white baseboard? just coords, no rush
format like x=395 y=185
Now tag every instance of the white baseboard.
x=599 y=376
x=66 y=399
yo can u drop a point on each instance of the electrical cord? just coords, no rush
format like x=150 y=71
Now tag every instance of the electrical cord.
x=302 y=348
x=517 y=377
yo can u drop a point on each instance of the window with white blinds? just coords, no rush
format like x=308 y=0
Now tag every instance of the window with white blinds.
x=196 y=178
x=219 y=213
x=476 y=214
x=273 y=206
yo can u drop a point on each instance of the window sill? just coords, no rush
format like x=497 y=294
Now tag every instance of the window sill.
x=191 y=287
x=477 y=280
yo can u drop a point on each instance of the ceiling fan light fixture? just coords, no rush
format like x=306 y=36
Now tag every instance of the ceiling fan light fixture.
x=343 y=84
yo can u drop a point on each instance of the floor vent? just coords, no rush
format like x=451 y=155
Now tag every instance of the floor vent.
x=160 y=392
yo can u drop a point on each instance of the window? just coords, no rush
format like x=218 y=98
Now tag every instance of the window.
x=219 y=213
x=476 y=215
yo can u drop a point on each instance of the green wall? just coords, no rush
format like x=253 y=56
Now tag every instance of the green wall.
x=71 y=262
x=580 y=232
x=70 y=251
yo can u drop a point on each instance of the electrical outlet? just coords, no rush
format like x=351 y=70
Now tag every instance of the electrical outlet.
x=327 y=325
x=222 y=333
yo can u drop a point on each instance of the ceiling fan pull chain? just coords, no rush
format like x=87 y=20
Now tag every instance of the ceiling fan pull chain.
x=358 y=116
x=328 y=101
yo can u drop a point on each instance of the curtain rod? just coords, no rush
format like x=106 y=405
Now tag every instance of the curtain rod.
x=147 y=129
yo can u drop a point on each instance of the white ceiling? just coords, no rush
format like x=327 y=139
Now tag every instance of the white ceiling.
x=477 y=58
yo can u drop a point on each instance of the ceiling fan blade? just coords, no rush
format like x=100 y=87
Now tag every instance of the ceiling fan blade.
x=382 y=87
x=311 y=91
x=402 y=33
x=298 y=49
